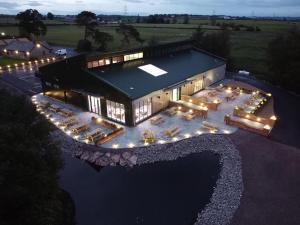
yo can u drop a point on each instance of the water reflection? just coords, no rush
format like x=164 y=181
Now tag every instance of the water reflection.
x=160 y=193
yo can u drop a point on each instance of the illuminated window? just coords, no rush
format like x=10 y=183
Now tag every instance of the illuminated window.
x=134 y=56
x=95 y=64
x=94 y=104
x=143 y=109
x=115 y=111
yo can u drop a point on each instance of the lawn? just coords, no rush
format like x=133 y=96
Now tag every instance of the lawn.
x=248 y=48
x=4 y=61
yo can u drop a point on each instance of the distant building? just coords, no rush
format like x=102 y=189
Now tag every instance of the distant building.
x=23 y=48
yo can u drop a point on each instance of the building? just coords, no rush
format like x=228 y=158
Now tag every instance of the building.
x=130 y=86
x=22 y=48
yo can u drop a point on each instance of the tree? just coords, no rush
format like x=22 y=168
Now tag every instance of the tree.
x=102 y=38
x=283 y=57
x=84 y=46
x=30 y=23
x=30 y=162
x=174 y=20
x=89 y=21
x=138 y=19
x=129 y=32
x=217 y=43
x=50 y=16
x=186 y=19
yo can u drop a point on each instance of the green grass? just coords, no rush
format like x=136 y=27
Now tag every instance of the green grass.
x=4 y=61
x=248 y=48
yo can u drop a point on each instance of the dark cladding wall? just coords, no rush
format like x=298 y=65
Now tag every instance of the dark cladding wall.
x=67 y=80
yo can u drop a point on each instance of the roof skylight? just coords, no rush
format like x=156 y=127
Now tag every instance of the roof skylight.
x=153 y=70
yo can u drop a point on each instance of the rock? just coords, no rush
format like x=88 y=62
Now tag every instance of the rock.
x=126 y=155
x=116 y=158
x=133 y=159
x=123 y=162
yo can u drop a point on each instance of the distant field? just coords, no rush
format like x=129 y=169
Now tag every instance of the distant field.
x=248 y=48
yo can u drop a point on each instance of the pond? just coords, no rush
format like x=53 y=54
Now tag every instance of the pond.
x=160 y=193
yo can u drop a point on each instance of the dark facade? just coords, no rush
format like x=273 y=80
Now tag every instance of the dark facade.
x=85 y=81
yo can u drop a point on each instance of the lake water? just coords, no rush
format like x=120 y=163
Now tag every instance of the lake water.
x=161 y=193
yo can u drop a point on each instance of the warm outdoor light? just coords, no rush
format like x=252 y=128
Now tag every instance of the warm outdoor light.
x=99 y=120
x=199 y=132
x=5 y=50
x=187 y=135
x=17 y=52
x=247 y=116
x=190 y=111
x=216 y=101
x=130 y=145
x=38 y=45
x=27 y=53
x=258 y=119
x=269 y=94
x=115 y=146
x=175 y=139
x=273 y=117
x=267 y=127
x=161 y=141
x=2 y=34
x=190 y=100
x=179 y=108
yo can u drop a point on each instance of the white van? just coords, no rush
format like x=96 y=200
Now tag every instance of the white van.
x=61 y=52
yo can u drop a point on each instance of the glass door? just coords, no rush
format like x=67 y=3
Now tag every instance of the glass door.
x=175 y=94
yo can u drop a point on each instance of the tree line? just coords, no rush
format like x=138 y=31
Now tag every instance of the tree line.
x=281 y=51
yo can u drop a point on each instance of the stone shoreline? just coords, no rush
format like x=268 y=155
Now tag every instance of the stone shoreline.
x=229 y=187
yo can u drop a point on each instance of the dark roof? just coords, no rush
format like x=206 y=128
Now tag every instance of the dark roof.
x=20 y=46
x=136 y=83
x=24 y=46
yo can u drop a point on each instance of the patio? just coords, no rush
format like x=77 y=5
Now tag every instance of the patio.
x=173 y=124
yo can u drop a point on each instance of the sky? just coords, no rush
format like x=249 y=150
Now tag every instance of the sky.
x=145 y=7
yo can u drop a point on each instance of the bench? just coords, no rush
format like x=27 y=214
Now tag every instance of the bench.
x=172 y=132
x=156 y=120
x=80 y=128
x=210 y=126
x=94 y=135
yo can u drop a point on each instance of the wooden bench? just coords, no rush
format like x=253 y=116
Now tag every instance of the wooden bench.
x=172 y=131
x=171 y=111
x=110 y=136
x=69 y=122
x=210 y=126
x=66 y=113
x=80 y=128
x=54 y=108
x=189 y=116
x=95 y=135
x=156 y=120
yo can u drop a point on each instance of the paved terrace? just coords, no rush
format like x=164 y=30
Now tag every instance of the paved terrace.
x=132 y=135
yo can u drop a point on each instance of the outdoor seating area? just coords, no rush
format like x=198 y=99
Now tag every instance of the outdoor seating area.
x=80 y=125
x=185 y=118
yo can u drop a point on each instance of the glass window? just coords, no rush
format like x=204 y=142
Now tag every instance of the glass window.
x=143 y=109
x=90 y=65
x=95 y=64
x=115 y=111
x=107 y=61
x=134 y=56
x=94 y=104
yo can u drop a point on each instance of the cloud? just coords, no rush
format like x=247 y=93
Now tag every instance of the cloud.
x=34 y=3
x=9 y=5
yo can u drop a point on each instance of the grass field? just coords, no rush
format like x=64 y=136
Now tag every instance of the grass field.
x=9 y=61
x=248 y=48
